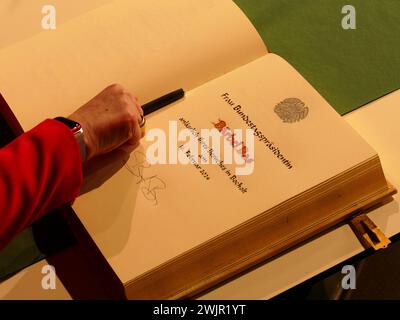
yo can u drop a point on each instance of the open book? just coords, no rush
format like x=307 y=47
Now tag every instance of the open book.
x=172 y=230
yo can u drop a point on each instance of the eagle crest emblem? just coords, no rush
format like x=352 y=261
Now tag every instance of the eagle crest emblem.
x=291 y=110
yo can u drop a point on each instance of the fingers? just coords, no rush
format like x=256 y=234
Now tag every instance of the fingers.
x=109 y=120
x=136 y=131
x=135 y=100
x=128 y=106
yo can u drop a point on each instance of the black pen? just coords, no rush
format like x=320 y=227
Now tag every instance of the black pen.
x=163 y=101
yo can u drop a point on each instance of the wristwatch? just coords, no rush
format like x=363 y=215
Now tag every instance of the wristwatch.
x=77 y=130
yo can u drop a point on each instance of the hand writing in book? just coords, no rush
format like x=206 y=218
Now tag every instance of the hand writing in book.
x=110 y=121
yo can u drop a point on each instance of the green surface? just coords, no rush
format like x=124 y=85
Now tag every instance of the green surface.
x=20 y=253
x=349 y=68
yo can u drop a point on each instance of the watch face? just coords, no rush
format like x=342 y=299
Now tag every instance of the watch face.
x=74 y=126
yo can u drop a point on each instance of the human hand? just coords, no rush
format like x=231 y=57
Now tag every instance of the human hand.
x=110 y=120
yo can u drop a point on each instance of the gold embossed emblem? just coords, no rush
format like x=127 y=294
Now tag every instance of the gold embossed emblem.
x=291 y=110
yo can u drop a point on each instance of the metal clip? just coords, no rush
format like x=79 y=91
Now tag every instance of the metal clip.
x=368 y=233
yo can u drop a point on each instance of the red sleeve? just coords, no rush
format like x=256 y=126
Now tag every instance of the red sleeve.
x=39 y=171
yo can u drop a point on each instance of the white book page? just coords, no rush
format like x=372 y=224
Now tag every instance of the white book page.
x=152 y=47
x=148 y=214
x=21 y=19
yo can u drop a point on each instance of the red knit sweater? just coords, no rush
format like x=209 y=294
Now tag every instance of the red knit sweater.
x=39 y=171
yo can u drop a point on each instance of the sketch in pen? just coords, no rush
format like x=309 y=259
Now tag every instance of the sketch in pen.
x=150 y=185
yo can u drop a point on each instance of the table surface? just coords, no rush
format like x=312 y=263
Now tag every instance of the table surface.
x=377 y=122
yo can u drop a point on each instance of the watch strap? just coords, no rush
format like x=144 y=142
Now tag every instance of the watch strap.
x=77 y=131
